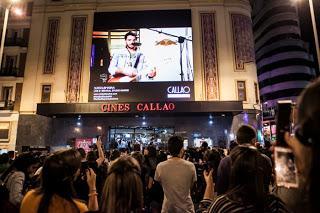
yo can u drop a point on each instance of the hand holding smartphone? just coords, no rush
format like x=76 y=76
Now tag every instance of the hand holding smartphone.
x=285 y=167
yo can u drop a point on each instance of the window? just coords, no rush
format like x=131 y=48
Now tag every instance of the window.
x=115 y=38
x=10 y=63
x=7 y=93
x=256 y=93
x=4 y=131
x=241 y=88
x=29 y=8
x=46 y=92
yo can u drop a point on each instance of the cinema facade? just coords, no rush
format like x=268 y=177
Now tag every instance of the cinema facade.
x=202 y=51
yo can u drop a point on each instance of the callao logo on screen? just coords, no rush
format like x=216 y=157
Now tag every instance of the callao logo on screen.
x=178 y=92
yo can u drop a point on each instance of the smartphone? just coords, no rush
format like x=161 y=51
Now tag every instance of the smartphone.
x=283 y=121
x=94 y=141
x=285 y=167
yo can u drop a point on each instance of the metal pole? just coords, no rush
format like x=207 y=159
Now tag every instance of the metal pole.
x=315 y=32
x=5 y=23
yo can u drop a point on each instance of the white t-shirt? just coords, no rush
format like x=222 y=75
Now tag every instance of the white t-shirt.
x=177 y=177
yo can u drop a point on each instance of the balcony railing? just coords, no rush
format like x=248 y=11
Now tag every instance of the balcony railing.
x=20 y=42
x=12 y=71
x=6 y=105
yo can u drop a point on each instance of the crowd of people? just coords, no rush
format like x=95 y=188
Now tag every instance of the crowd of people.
x=201 y=179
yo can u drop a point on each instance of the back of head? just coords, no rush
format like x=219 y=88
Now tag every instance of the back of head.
x=136 y=147
x=92 y=156
x=152 y=151
x=123 y=190
x=204 y=145
x=57 y=177
x=114 y=154
x=250 y=172
x=213 y=158
x=138 y=156
x=246 y=134
x=4 y=158
x=11 y=154
x=309 y=113
x=308 y=134
x=233 y=144
x=82 y=153
x=58 y=172
x=162 y=156
x=175 y=144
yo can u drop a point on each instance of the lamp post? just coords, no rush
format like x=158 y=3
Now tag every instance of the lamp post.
x=4 y=29
x=315 y=32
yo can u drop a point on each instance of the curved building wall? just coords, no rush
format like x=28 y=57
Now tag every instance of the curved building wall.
x=284 y=63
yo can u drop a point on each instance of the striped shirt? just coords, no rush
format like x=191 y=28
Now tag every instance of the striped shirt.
x=223 y=205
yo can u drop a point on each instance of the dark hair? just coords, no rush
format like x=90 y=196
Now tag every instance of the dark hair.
x=130 y=33
x=233 y=144
x=114 y=154
x=11 y=154
x=175 y=144
x=250 y=176
x=245 y=134
x=213 y=158
x=57 y=177
x=92 y=156
x=162 y=156
x=123 y=190
x=82 y=152
x=138 y=156
x=21 y=163
x=136 y=147
x=4 y=158
x=308 y=134
x=204 y=145
x=152 y=151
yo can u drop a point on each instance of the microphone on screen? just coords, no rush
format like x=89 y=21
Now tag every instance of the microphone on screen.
x=136 y=44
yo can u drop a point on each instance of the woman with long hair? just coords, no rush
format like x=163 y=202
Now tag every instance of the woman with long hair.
x=56 y=193
x=123 y=191
x=249 y=185
x=306 y=148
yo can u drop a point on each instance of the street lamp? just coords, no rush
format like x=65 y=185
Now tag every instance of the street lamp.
x=315 y=32
x=4 y=29
x=314 y=28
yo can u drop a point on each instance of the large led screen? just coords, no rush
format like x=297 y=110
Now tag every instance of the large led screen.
x=142 y=56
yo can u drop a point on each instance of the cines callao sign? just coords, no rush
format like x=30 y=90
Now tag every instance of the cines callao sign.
x=137 y=107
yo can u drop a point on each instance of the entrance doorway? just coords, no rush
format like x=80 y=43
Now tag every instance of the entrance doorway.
x=124 y=137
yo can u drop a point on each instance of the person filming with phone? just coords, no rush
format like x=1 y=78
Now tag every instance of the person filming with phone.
x=305 y=146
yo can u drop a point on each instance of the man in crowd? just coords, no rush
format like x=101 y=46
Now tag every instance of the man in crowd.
x=130 y=64
x=177 y=177
x=246 y=135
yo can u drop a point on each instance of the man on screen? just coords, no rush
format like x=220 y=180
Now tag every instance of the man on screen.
x=130 y=64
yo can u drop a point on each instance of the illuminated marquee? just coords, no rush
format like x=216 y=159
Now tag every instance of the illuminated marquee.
x=139 y=107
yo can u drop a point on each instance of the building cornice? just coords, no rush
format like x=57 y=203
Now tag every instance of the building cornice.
x=126 y=5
